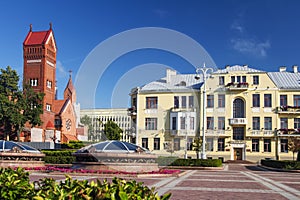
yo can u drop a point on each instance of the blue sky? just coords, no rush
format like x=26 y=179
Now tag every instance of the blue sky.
x=263 y=34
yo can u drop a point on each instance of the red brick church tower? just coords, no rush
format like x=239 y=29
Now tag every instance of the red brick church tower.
x=61 y=118
x=39 y=52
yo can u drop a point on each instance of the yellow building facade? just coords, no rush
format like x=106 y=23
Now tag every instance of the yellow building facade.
x=249 y=114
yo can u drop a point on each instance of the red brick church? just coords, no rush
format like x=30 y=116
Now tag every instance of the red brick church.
x=60 y=117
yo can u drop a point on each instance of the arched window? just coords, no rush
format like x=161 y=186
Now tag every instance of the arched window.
x=238 y=108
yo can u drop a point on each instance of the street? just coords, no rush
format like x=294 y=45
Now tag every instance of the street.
x=236 y=181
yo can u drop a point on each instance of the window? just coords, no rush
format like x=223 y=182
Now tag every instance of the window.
x=284 y=145
x=221 y=144
x=296 y=123
x=151 y=102
x=297 y=100
x=176 y=102
x=244 y=80
x=192 y=123
x=238 y=79
x=156 y=144
x=221 y=80
x=268 y=100
x=267 y=145
x=34 y=82
x=268 y=123
x=283 y=100
x=145 y=143
x=255 y=80
x=210 y=101
x=183 y=101
x=284 y=122
x=221 y=100
x=210 y=123
x=221 y=123
x=256 y=123
x=174 y=123
x=238 y=108
x=210 y=144
x=232 y=79
x=255 y=100
x=49 y=84
x=190 y=144
x=238 y=133
x=151 y=124
x=48 y=107
x=182 y=123
x=255 y=145
x=176 y=144
x=191 y=102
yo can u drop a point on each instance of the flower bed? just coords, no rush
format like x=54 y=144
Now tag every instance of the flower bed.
x=90 y=171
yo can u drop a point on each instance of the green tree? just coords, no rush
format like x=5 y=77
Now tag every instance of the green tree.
x=16 y=106
x=197 y=146
x=112 y=130
x=294 y=146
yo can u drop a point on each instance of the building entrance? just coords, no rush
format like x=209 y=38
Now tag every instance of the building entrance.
x=238 y=154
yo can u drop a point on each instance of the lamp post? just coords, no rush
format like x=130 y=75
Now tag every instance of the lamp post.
x=204 y=70
x=186 y=139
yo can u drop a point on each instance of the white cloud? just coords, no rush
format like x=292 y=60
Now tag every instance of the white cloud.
x=251 y=46
x=61 y=69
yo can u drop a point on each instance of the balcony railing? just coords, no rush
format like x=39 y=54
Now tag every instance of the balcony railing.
x=286 y=131
x=131 y=111
x=238 y=121
x=261 y=133
x=215 y=132
x=237 y=86
x=288 y=109
x=183 y=133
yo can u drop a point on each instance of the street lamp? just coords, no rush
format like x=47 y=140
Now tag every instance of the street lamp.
x=204 y=70
x=186 y=138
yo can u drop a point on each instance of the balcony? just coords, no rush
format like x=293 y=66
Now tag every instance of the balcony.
x=183 y=133
x=261 y=133
x=237 y=86
x=288 y=110
x=131 y=111
x=215 y=132
x=237 y=121
x=289 y=132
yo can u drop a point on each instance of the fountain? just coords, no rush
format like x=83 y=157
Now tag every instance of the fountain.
x=15 y=154
x=116 y=156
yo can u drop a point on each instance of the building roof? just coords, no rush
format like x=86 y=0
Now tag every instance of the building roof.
x=38 y=37
x=173 y=82
x=236 y=68
x=285 y=80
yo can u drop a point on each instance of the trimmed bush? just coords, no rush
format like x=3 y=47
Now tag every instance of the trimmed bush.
x=165 y=160
x=14 y=184
x=197 y=162
x=281 y=164
x=59 y=156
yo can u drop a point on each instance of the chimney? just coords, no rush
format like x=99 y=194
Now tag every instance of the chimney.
x=282 y=68
x=295 y=69
x=170 y=73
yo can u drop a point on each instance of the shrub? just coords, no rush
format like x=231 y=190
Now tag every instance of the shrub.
x=197 y=162
x=59 y=156
x=165 y=160
x=14 y=184
x=281 y=164
x=75 y=144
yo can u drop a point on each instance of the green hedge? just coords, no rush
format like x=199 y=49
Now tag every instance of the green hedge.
x=165 y=160
x=59 y=156
x=197 y=162
x=15 y=184
x=281 y=164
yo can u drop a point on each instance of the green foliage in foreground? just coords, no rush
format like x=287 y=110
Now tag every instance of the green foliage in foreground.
x=14 y=184
x=282 y=164
x=197 y=162
x=165 y=160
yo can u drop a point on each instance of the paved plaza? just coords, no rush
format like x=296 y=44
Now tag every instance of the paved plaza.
x=236 y=181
